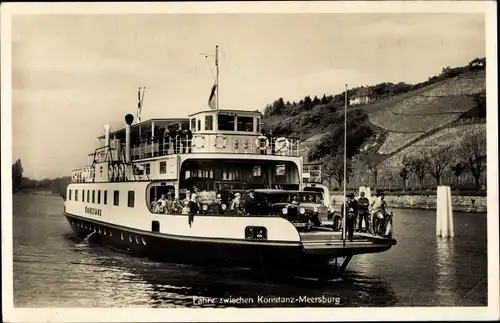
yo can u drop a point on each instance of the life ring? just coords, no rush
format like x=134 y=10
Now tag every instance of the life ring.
x=220 y=142
x=282 y=144
x=262 y=142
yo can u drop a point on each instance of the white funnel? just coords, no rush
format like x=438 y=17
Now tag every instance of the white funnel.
x=107 y=129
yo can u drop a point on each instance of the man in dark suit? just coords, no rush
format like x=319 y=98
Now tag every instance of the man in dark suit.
x=251 y=206
x=363 y=204
x=351 y=206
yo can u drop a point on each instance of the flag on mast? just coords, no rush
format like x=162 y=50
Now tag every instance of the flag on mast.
x=139 y=105
x=212 y=99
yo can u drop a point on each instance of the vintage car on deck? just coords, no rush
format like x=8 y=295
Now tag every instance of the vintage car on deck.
x=304 y=209
x=334 y=219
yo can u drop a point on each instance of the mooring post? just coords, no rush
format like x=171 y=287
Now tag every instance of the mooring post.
x=444 y=212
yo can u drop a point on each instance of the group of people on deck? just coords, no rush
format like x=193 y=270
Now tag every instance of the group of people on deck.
x=168 y=204
x=373 y=214
x=172 y=140
x=190 y=204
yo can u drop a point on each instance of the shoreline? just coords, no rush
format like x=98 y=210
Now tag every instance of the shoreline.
x=469 y=204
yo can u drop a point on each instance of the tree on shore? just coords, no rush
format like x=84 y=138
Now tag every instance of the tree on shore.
x=372 y=166
x=404 y=173
x=333 y=169
x=473 y=150
x=418 y=168
x=17 y=175
x=437 y=162
x=458 y=169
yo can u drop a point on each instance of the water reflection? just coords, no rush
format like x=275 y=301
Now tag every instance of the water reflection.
x=173 y=285
x=446 y=279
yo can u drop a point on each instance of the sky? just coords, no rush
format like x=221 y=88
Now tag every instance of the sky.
x=71 y=74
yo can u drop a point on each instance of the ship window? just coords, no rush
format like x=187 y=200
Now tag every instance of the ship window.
x=116 y=198
x=76 y=195
x=245 y=124
x=93 y=196
x=163 y=167
x=147 y=168
x=131 y=198
x=88 y=196
x=83 y=195
x=280 y=170
x=193 y=125
x=69 y=195
x=257 y=171
x=209 y=123
x=99 y=197
x=105 y=197
x=258 y=125
x=199 y=124
x=225 y=122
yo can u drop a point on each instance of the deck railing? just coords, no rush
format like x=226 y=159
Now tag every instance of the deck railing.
x=215 y=144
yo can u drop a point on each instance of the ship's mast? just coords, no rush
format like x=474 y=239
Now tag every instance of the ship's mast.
x=217 y=75
x=345 y=167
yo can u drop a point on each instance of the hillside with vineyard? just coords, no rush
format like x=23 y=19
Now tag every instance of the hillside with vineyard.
x=401 y=123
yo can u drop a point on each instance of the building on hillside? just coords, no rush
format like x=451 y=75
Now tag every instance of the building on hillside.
x=478 y=63
x=362 y=96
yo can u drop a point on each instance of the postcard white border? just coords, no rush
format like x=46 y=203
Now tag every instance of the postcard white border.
x=11 y=314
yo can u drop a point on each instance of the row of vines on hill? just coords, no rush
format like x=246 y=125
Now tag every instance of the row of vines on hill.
x=461 y=166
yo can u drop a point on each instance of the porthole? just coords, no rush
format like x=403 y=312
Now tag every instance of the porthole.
x=130 y=238
x=110 y=233
x=136 y=240
x=104 y=231
x=143 y=241
x=121 y=235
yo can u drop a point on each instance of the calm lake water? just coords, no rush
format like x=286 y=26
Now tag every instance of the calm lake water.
x=53 y=268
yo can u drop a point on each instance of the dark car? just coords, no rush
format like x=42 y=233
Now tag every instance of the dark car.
x=303 y=209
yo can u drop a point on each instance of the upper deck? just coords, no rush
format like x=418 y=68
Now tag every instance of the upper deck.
x=212 y=131
x=229 y=134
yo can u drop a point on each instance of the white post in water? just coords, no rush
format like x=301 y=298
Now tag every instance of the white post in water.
x=444 y=213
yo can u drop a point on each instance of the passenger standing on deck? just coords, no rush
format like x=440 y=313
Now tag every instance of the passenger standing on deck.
x=185 y=203
x=194 y=208
x=363 y=204
x=170 y=203
x=161 y=204
x=153 y=204
x=178 y=138
x=379 y=212
x=251 y=207
x=218 y=204
x=351 y=206
x=236 y=202
x=189 y=138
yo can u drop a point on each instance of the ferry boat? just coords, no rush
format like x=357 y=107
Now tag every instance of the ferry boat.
x=213 y=153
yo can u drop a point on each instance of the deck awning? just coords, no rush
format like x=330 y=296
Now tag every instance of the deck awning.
x=146 y=126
